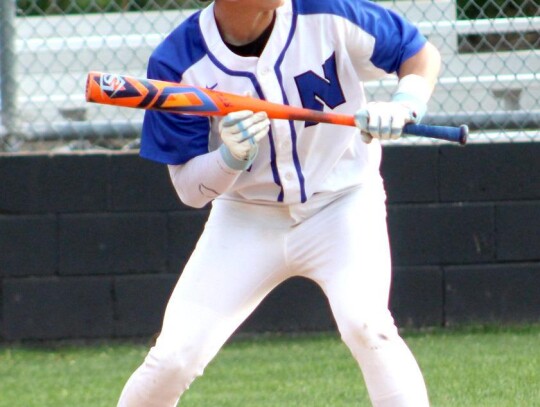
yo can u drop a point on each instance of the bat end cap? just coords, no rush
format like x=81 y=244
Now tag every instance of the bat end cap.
x=463 y=134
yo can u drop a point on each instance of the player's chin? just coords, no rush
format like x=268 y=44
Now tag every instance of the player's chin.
x=271 y=4
x=262 y=5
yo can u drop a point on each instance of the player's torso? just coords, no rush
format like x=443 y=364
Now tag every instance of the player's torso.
x=305 y=63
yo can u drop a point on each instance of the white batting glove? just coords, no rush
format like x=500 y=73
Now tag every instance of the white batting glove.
x=241 y=132
x=385 y=120
x=382 y=120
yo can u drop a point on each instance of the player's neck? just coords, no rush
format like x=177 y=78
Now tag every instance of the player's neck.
x=240 y=27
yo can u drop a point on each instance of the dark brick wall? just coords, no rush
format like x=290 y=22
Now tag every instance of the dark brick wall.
x=91 y=245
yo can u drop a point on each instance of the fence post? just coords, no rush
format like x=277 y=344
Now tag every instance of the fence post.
x=8 y=83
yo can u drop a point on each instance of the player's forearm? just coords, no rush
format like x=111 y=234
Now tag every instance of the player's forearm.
x=425 y=63
x=202 y=179
x=417 y=78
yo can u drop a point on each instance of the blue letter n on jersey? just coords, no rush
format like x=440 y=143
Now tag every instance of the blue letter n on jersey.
x=314 y=90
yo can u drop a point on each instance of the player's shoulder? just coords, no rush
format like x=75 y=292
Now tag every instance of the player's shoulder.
x=362 y=13
x=185 y=37
x=343 y=8
x=183 y=47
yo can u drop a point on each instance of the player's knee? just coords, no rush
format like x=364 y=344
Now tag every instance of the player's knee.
x=372 y=333
x=181 y=366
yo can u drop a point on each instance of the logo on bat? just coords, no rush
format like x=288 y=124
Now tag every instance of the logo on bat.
x=112 y=84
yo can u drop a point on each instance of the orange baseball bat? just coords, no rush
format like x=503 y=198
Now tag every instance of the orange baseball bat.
x=142 y=93
x=128 y=91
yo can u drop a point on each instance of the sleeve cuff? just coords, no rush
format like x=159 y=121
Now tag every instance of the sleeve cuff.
x=232 y=162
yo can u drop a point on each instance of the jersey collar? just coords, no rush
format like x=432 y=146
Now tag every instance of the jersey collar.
x=233 y=62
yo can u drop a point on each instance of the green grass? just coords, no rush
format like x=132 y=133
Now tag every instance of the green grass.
x=473 y=367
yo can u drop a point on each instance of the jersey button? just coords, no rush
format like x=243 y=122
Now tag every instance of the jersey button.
x=289 y=176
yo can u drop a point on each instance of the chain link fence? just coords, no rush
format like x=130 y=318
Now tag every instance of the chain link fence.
x=490 y=78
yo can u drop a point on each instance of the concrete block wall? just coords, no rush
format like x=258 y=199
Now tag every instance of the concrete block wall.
x=91 y=245
x=465 y=233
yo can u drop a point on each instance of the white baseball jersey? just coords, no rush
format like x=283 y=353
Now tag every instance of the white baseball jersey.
x=317 y=57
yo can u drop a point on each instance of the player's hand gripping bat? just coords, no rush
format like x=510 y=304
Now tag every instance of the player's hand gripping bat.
x=128 y=91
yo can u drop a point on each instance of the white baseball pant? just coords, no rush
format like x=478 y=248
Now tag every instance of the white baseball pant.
x=245 y=251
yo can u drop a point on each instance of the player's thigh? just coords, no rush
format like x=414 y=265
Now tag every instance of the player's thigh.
x=236 y=262
x=351 y=259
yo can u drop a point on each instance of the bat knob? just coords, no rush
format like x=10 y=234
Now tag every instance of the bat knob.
x=463 y=134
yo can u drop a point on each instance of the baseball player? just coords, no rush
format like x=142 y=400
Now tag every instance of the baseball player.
x=288 y=198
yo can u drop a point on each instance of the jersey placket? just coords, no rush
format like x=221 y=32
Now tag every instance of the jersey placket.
x=281 y=131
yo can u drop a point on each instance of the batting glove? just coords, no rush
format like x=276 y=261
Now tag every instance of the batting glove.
x=385 y=120
x=241 y=132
